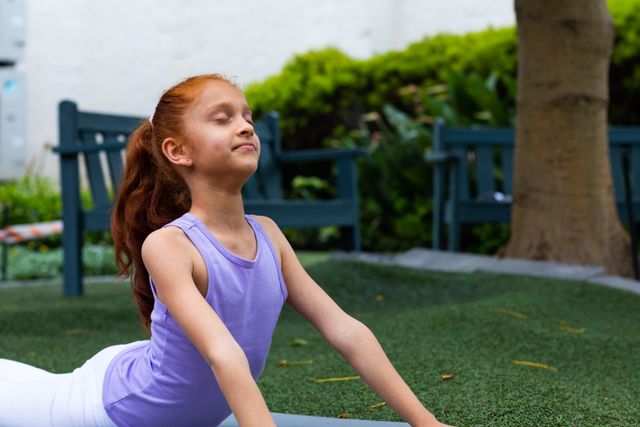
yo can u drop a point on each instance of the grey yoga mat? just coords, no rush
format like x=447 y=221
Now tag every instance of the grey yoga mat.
x=290 y=420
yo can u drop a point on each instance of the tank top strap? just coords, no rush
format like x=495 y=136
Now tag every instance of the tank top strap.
x=265 y=237
x=189 y=228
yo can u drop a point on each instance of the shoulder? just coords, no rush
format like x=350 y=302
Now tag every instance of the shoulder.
x=165 y=242
x=268 y=224
x=274 y=233
x=278 y=239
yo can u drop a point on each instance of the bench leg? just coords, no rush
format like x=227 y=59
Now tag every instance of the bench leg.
x=454 y=237
x=350 y=238
x=72 y=248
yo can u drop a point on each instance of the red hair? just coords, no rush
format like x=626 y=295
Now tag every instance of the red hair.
x=152 y=193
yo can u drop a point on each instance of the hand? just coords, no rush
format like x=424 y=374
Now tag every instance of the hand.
x=431 y=422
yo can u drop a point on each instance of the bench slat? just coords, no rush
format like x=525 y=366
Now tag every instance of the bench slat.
x=479 y=136
x=484 y=171
x=460 y=208
x=93 y=163
x=463 y=176
x=633 y=174
x=506 y=157
x=115 y=160
x=268 y=174
x=615 y=157
x=107 y=123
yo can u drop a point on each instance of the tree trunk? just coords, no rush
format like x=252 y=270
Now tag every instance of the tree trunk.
x=563 y=207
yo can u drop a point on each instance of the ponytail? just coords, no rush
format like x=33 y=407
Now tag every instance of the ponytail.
x=152 y=193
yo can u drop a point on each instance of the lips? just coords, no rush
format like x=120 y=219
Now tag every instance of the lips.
x=246 y=144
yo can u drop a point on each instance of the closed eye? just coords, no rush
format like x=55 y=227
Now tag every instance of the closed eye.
x=222 y=118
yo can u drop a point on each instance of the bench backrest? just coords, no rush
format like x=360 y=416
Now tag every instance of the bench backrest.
x=485 y=159
x=100 y=140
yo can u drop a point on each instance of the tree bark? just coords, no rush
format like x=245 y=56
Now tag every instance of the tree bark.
x=563 y=198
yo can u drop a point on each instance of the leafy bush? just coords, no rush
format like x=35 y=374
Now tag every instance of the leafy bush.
x=32 y=198
x=624 y=73
x=35 y=198
x=324 y=97
x=395 y=181
x=40 y=262
x=321 y=95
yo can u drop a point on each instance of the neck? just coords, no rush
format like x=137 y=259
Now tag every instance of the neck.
x=218 y=207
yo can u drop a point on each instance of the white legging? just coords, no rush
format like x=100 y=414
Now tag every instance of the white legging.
x=33 y=397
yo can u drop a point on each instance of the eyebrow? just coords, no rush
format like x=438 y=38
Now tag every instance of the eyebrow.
x=227 y=105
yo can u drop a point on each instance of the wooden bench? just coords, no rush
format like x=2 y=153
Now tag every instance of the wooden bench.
x=97 y=141
x=473 y=171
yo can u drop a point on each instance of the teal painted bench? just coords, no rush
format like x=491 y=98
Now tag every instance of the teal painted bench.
x=97 y=141
x=473 y=171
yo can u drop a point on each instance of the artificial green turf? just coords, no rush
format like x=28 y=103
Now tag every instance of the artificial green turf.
x=470 y=326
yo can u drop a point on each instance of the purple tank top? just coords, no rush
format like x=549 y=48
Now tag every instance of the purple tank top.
x=165 y=381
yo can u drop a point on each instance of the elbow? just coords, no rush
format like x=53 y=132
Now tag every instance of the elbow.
x=227 y=356
x=349 y=336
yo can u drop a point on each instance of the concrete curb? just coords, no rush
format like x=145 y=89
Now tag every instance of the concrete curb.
x=455 y=262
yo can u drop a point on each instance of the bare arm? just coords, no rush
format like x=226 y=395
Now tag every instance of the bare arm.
x=352 y=339
x=168 y=257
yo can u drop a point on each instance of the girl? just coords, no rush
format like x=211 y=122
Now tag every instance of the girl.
x=209 y=283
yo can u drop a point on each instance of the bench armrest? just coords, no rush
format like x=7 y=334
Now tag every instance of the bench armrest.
x=314 y=155
x=76 y=149
x=440 y=157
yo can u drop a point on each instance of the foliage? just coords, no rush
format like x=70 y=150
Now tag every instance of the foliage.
x=35 y=198
x=32 y=198
x=624 y=74
x=395 y=182
x=321 y=95
x=469 y=80
x=37 y=261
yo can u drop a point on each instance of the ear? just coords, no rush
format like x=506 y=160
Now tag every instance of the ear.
x=177 y=152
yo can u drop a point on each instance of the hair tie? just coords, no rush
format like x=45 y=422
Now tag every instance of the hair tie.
x=151 y=120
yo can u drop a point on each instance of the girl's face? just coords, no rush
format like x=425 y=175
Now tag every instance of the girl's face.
x=219 y=127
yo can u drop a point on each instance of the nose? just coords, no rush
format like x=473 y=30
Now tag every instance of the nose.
x=246 y=129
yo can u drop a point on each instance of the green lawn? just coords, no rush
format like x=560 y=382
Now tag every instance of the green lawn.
x=470 y=326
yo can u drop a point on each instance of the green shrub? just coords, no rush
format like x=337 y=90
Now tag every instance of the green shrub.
x=395 y=181
x=32 y=198
x=321 y=95
x=37 y=261
x=35 y=198
x=470 y=79
x=624 y=73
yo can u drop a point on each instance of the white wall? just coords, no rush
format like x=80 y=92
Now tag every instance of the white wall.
x=118 y=56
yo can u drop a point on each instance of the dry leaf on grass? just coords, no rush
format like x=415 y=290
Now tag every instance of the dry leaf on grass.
x=571 y=330
x=534 y=364
x=378 y=405
x=285 y=363
x=298 y=342
x=511 y=313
